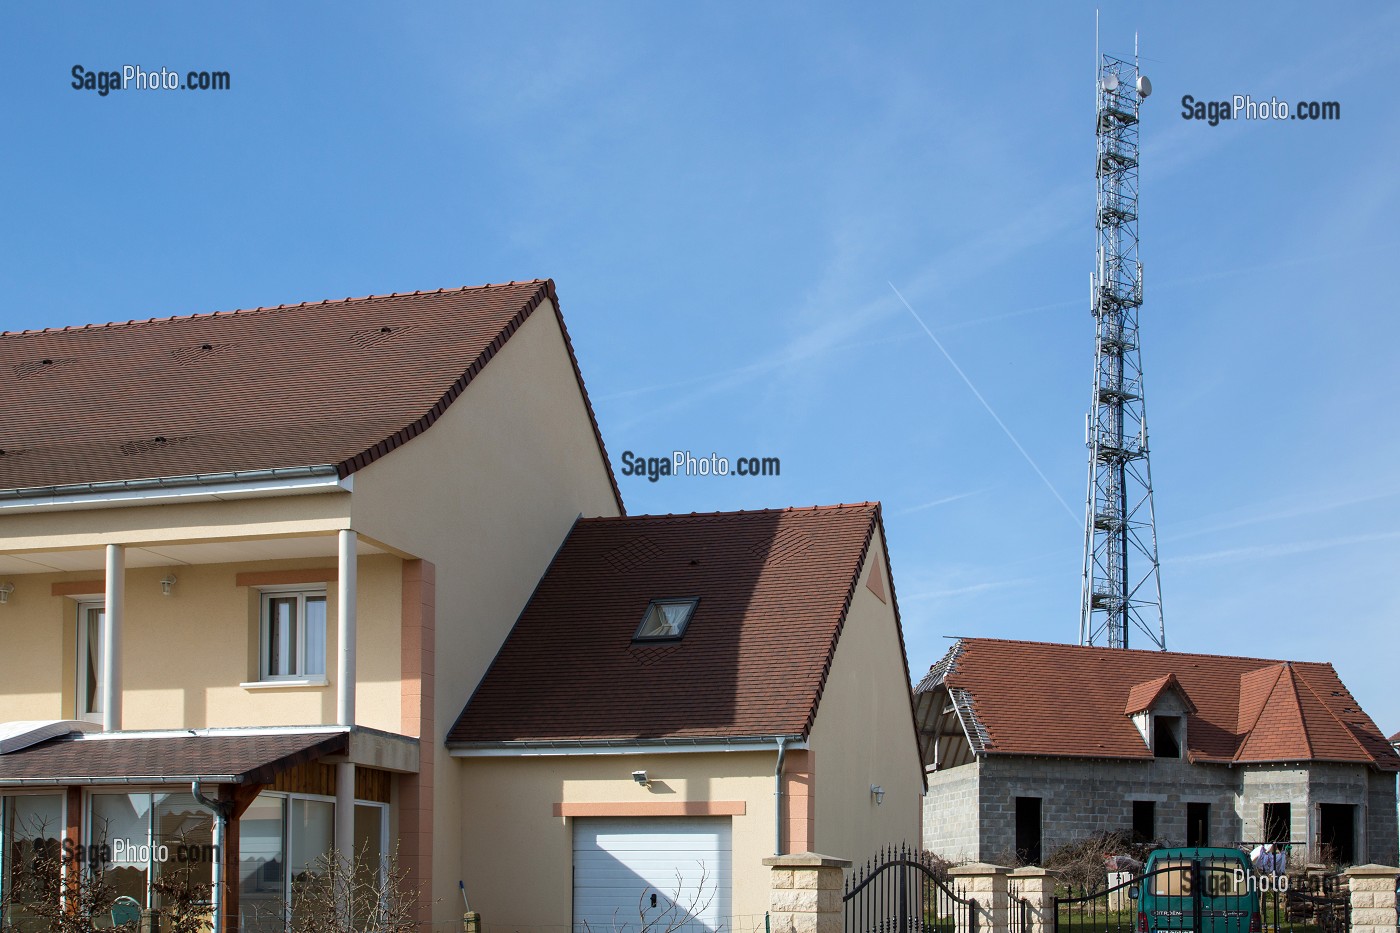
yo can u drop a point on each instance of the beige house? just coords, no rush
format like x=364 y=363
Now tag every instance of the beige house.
x=254 y=564
x=262 y=558
x=683 y=696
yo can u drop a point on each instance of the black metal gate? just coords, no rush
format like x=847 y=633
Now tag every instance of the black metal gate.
x=1206 y=895
x=1311 y=904
x=906 y=891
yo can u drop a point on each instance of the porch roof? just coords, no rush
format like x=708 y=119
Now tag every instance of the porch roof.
x=114 y=758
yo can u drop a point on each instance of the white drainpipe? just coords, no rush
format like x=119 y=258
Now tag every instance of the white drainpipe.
x=778 y=797
x=220 y=812
x=112 y=638
x=346 y=599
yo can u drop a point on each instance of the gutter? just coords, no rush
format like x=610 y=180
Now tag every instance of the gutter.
x=693 y=746
x=133 y=780
x=279 y=480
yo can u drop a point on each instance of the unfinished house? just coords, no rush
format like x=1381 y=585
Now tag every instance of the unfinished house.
x=1029 y=746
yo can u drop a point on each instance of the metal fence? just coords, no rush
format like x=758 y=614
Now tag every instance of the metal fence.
x=1019 y=909
x=906 y=891
x=1207 y=896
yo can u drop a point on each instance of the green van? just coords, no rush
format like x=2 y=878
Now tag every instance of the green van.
x=1198 y=890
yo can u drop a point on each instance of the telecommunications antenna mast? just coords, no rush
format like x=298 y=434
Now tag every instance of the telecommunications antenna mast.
x=1122 y=592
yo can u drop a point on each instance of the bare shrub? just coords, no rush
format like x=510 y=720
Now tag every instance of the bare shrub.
x=339 y=895
x=1082 y=864
x=654 y=916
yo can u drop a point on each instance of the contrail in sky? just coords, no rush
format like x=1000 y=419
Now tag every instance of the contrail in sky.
x=1002 y=424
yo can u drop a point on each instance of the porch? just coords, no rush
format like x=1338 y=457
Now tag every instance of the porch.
x=246 y=812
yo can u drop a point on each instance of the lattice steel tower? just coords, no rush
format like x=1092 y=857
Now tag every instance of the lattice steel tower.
x=1122 y=592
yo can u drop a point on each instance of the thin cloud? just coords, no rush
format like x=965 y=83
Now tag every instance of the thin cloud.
x=1274 y=514
x=985 y=404
x=937 y=502
x=1273 y=551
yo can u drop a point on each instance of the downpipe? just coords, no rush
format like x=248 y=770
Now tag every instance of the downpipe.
x=221 y=815
x=778 y=797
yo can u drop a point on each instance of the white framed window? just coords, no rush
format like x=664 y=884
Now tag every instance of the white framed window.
x=145 y=833
x=30 y=824
x=284 y=837
x=90 y=651
x=292 y=645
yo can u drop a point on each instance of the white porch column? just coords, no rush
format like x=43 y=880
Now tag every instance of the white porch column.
x=112 y=638
x=346 y=600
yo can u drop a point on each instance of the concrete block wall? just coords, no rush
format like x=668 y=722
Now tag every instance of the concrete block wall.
x=951 y=806
x=1262 y=784
x=1081 y=797
x=970 y=810
x=1382 y=824
x=1304 y=788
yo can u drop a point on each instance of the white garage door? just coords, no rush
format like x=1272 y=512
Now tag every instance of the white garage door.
x=626 y=867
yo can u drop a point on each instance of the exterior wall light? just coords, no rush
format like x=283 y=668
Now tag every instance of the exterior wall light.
x=167 y=583
x=641 y=778
x=878 y=793
x=5 y=590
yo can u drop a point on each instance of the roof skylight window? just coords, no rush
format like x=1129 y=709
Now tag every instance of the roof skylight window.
x=666 y=619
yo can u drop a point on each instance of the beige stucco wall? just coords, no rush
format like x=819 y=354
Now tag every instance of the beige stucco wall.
x=518 y=856
x=488 y=495
x=176 y=523
x=864 y=733
x=185 y=656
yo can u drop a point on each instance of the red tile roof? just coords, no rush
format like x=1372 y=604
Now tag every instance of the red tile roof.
x=773 y=589
x=1035 y=698
x=1142 y=696
x=335 y=383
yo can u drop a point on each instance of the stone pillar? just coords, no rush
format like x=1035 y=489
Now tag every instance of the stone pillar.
x=1036 y=886
x=987 y=885
x=1373 y=898
x=805 y=893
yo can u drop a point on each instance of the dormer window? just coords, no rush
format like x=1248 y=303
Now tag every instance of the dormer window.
x=1159 y=709
x=666 y=619
x=1166 y=736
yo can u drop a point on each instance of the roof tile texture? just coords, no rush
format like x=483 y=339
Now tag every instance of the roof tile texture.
x=1142 y=696
x=773 y=589
x=333 y=383
x=1067 y=700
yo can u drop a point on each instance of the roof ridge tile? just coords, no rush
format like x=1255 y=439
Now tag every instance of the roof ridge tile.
x=260 y=309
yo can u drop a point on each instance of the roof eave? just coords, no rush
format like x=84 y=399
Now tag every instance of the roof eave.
x=275 y=481
x=624 y=746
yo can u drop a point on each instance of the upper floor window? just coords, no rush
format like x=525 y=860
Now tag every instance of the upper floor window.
x=90 y=651
x=293 y=643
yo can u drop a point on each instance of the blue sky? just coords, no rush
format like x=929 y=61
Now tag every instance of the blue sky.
x=725 y=194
